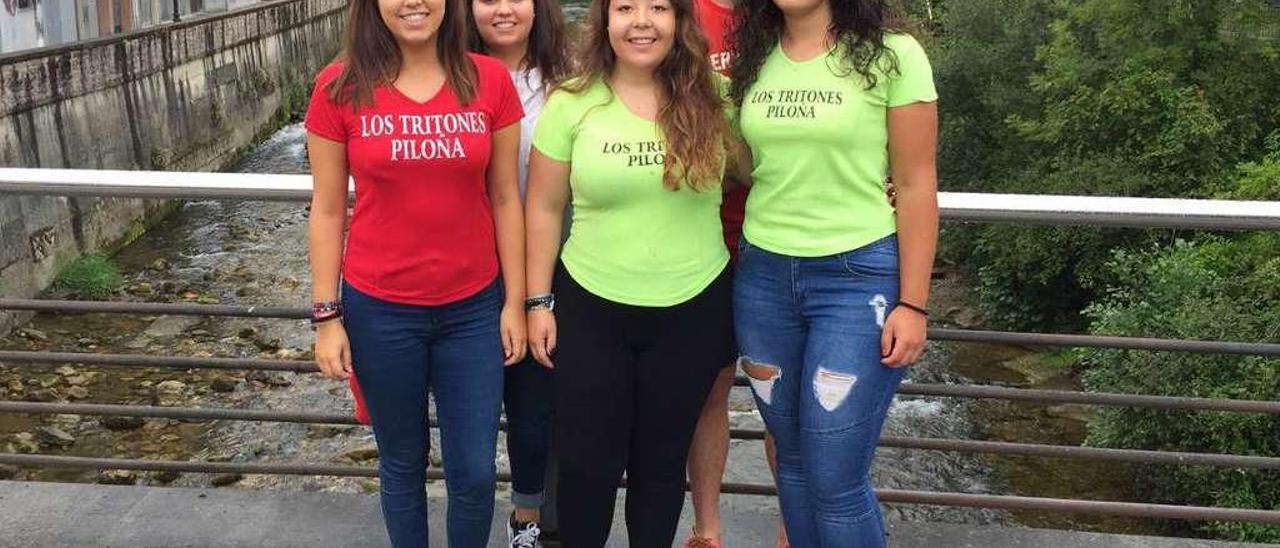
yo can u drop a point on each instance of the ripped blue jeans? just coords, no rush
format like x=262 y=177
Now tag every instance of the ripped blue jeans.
x=809 y=330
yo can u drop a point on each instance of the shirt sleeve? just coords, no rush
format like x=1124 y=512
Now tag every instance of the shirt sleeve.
x=914 y=81
x=324 y=118
x=553 y=136
x=507 y=107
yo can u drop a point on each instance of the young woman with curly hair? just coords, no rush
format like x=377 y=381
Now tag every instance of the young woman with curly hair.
x=831 y=286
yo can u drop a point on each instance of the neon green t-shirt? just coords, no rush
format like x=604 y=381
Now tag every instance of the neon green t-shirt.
x=632 y=241
x=819 y=139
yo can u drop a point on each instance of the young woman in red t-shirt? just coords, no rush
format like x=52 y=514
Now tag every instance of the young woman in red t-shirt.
x=429 y=133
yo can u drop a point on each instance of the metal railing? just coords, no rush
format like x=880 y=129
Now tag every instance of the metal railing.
x=987 y=208
x=1025 y=209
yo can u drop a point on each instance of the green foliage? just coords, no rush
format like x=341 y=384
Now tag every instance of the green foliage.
x=1041 y=277
x=983 y=62
x=1150 y=98
x=1139 y=116
x=1217 y=289
x=89 y=277
x=1259 y=180
x=924 y=14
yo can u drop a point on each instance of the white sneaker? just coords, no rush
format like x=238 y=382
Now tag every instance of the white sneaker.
x=522 y=535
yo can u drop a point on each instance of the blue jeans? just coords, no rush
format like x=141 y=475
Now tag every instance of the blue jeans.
x=401 y=351
x=809 y=330
x=527 y=398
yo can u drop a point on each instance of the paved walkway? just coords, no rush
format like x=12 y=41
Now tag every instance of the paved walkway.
x=53 y=515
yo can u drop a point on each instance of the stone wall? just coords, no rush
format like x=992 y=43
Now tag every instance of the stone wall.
x=185 y=97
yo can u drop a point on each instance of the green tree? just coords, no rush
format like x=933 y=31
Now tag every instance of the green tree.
x=1150 y=98
x=1154 y=98
x=1220 y=289
x=983 y=62
x=1259 y=180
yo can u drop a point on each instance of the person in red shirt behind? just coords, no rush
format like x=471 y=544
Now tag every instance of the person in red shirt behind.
x=710 y=447
x=426 y=291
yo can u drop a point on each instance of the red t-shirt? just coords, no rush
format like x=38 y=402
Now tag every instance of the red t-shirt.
x=422 y=232
x=717 y=23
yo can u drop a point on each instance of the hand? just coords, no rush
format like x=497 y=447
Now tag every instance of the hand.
x=542 y=336
x=333 y=350
x=514 y=340
x=902 y=340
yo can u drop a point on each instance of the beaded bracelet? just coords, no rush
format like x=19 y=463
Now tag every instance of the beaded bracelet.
x=325 y=311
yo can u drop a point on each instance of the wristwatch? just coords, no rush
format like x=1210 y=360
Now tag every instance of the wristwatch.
x=545 y=301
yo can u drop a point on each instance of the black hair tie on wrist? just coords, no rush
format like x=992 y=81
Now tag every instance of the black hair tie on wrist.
x=910 y=306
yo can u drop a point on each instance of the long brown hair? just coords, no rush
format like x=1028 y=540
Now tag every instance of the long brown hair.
x=691 y=118
x=548 y=49
x=371 y=57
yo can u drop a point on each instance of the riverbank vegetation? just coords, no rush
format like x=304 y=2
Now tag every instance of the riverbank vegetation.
x=1147 y=98
x=91 y=276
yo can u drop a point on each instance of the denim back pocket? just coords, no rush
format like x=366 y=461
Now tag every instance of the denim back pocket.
x=877 y=259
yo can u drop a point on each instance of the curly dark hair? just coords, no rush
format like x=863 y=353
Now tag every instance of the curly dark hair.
x=857 y=26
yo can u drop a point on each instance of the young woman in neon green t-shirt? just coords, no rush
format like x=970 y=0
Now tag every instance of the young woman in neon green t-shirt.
x=831 y=285
x=640 y=318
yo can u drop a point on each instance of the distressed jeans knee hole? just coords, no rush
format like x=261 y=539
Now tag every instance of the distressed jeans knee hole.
x=762 y=377
x=832 y=388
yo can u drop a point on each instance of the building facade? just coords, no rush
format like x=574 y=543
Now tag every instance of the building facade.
x=27 y=24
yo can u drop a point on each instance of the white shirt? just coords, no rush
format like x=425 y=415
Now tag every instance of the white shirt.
x=532 y=96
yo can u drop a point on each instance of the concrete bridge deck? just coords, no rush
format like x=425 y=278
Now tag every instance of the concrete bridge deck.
x=51 y=515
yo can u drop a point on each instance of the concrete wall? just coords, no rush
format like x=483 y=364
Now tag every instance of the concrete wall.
x=184 y=97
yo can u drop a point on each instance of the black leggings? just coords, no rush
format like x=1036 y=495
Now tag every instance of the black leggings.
x=630 y=384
